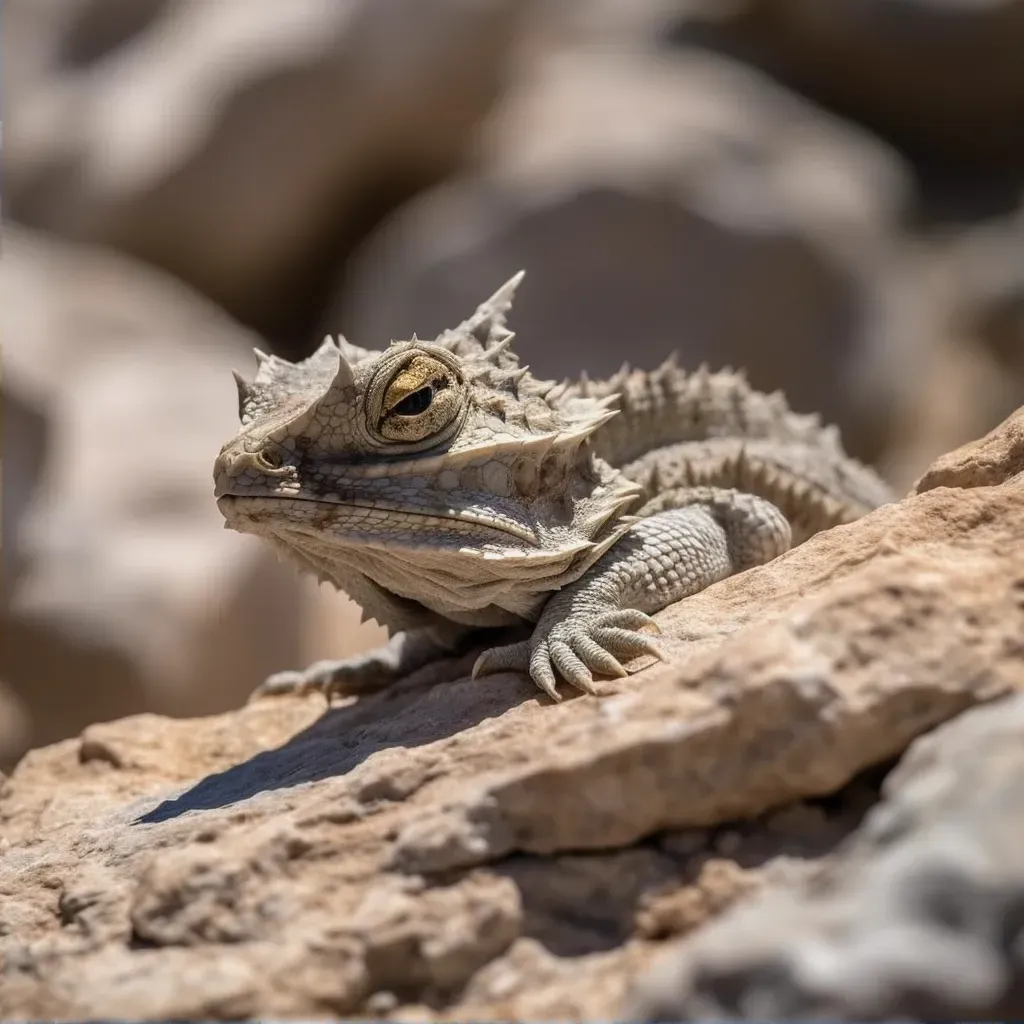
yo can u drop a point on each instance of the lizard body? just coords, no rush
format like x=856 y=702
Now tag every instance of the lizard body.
x=449 y=491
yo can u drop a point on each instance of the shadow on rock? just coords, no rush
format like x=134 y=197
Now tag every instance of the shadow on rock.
x=420 y=710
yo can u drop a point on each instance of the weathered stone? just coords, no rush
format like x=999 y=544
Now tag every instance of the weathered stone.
x=996 y=458
x=521 y=859
x=730 y=222
x=920 y=917
x=243 y=147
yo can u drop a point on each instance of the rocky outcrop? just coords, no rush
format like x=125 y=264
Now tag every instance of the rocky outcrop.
x=920 y=916
x=469 y=850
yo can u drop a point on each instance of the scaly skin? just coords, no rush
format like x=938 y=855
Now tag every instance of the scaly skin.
x=448 y=491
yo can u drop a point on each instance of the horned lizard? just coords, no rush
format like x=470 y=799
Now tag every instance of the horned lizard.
x=450 y=492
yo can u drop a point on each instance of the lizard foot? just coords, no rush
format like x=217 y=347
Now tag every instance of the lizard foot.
x=370 y=671
x=577 y=648
x=360 y=674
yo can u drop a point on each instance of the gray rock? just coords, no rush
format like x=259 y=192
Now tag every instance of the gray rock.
x=921 y=916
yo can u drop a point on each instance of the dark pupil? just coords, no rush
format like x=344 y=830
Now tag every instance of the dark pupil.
x=417 y=402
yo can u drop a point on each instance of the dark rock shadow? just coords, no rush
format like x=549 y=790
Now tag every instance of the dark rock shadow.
x=577 y=904
x=432 y=704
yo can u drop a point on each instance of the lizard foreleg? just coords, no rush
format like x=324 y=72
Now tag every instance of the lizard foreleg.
x=586 y=627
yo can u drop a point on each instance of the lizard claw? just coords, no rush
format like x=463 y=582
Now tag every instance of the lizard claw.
x=576 y=649
x=359 y=674
x=288 y=683
x=580 y=648
x=515 y=658
x=510 y=658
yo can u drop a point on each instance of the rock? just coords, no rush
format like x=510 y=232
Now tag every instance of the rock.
x=518 y=859
x=989 y=266
x=243 y=147
x=731 y=222
x=970 y=372
x=995 y=459
x=945 y=76
x=919 y=917
x=25 y=423
x=123 y=592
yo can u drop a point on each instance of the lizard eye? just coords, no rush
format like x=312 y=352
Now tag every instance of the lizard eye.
x=420 y=400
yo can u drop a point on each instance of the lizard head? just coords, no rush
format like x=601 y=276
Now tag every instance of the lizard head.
x=426 y=459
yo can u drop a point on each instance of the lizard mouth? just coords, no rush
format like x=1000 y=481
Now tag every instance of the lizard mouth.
x=239 y=506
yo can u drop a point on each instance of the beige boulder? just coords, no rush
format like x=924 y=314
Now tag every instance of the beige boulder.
x=665 y=202
x=242 y=146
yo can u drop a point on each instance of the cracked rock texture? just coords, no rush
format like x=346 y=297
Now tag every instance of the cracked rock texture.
x=468 y=850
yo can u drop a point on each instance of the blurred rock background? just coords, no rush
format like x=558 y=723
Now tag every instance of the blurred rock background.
x=830 y=194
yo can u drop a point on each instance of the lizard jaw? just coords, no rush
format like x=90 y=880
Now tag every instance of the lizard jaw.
x=241 y=510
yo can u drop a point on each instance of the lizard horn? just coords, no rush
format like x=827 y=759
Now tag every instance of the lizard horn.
x=344 y=378
x=501 y=301
x=329 y=347
x=244 y=392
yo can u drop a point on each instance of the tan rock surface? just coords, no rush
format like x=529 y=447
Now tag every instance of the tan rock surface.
x=517 y=859
x=993 y=459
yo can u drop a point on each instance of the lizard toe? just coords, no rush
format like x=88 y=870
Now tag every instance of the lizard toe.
x=571 y=667
x=626 y=643
x=509 y=658
x=542 y=673
x=290 y=682
x=628 y=618
x=598 y=657
x=278 y=685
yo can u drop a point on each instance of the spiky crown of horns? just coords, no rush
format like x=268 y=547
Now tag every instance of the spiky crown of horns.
x=483 y=345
